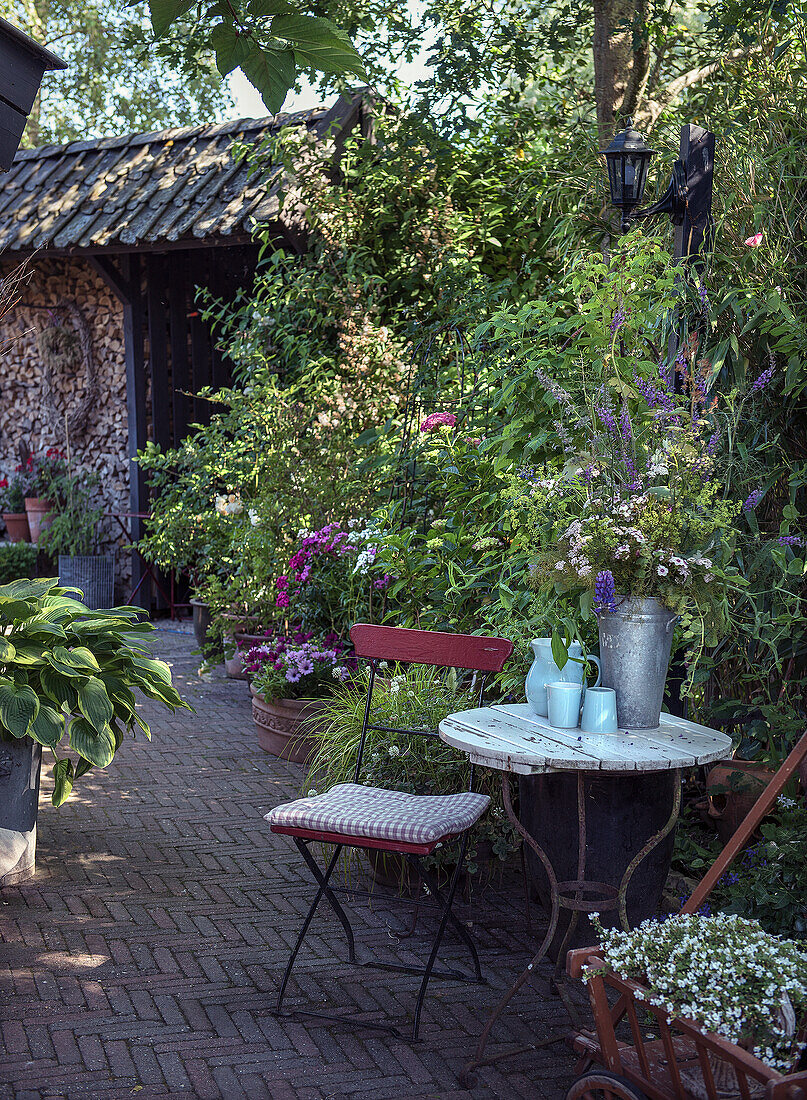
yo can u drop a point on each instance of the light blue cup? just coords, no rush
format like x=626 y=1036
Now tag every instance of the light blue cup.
x=599 y=711
x=563 y=703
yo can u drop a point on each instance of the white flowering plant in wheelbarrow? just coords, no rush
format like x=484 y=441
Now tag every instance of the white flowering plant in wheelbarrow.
x=723 y=972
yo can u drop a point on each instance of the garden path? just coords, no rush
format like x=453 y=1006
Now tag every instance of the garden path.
x=143 y=958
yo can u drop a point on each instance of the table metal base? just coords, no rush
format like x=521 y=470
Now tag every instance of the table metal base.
x=579 y=896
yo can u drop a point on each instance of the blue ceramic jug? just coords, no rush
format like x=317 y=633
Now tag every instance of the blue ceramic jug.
x=544 y=671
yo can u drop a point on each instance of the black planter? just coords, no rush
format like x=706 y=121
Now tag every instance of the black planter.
x=201 y=621
x=20 y=762
x=622 y=813
x=93 y=575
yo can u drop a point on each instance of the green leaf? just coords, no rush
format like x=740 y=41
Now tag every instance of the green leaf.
x=19 y=706
x=73 y=662
x=560 y=652
x=29 y=655
x=165 y=12
x=230 y=46
x=322 y=44
x=59 y=689
x=272 y=72
x=62 y=781
x=48 y=726
x=7 y=650
x=94 y=703
x=260 y=9
x=95 y=745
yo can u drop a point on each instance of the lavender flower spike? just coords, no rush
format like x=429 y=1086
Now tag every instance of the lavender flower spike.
x=604 y=592
x=765 y=377
x=753 y=499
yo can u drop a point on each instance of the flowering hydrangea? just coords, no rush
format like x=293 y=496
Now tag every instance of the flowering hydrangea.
x=724 y=972
x=438 y=420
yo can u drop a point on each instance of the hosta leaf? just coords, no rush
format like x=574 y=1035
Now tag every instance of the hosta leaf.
x=63 y=776
x=60 y=689
x=19 y=706
x=24 y=589
x=15 y=610
x=48 y=726
x=73 y=662
x=95 y=745
x=153 y=670
x=94 y=703
x=29 y=654
x=7 y=651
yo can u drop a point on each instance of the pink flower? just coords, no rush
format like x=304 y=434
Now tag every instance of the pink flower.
x=438 y=420
x=755 y=241
x=282 y=599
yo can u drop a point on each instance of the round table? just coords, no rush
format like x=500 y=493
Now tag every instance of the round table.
x=514 y=740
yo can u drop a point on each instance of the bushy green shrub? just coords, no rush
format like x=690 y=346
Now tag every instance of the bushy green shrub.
x=17 y=559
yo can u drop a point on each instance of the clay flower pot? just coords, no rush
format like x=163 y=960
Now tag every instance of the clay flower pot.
x=38 y=510
x=17 y=527
x=731 y=803
x=279 y=723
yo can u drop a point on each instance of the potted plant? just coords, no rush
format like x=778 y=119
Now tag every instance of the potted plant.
x=65 y=672
x=724 y=973
x=72 y=535
x=41 y=473
x=291 y=674
x=12 y=504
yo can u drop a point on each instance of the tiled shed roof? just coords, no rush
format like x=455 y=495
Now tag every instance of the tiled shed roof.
x=146 y=189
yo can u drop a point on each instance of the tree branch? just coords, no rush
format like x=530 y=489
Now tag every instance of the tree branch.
x=695 y=76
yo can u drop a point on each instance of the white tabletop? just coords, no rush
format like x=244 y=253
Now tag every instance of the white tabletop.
x=512 y=738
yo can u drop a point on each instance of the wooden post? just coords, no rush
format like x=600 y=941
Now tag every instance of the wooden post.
x=136 y=408
x=697 y=152
x=178 y=316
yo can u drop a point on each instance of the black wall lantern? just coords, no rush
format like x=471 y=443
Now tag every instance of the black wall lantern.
x=628 y=159
x=23 y=62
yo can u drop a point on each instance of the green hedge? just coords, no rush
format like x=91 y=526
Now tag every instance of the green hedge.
x=17 y=559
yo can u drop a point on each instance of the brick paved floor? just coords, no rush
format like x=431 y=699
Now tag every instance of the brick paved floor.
x=143 y=958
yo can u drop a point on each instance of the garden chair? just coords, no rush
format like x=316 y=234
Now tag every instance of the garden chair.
x=350 y=815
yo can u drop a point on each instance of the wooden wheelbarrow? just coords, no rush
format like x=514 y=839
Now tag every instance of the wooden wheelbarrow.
x=685 y=1062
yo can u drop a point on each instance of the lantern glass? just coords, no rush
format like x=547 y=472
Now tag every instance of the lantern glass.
x=628 y=160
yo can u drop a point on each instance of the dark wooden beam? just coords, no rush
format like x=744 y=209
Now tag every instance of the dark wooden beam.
x=697 y=153
x=200 y=339
x=136 y=411
x=158 y=350
x=178 y=320
x=112 y=276
x=183 y=245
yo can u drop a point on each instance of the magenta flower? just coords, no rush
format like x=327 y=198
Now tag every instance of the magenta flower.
x=438 y=420
x=755 y=241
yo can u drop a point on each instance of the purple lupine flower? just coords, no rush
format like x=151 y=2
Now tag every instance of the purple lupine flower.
x=791 y=540
x=766 y=375
x=711 y=446
x=753 y=499
x=703 y=296
x=625 y=427
x=618 y=320
x=604 y=591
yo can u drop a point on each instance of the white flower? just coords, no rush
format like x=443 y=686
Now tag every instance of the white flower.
x=254 y=518
x=662 y=570
x=560 y=565
x=311 y=793
x=394 y=750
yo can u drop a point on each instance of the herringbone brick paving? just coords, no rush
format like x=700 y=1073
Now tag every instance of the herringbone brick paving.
x=143 y=958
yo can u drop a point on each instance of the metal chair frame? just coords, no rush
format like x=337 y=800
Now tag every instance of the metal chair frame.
x=376 y=644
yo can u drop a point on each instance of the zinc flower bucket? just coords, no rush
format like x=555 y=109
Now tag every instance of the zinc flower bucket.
x=635 y=643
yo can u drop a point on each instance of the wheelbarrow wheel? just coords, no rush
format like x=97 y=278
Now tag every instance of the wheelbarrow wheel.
x=603 y=1085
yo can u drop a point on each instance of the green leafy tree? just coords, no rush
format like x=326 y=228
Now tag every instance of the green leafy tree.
x=111 y=85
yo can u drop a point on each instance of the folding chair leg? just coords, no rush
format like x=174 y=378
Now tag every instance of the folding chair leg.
x=427 y=973
x=323 y=890
x=331 y=897
x=456 y=923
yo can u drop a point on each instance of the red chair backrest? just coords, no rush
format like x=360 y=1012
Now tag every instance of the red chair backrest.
x=430 y=647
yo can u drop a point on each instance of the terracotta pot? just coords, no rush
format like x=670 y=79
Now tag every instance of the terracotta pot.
x=17 y=527
x=739 y=783
x=234 y=666
x=38 y=510
x=279 y=722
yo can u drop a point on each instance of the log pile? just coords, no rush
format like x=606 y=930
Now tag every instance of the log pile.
x=29 y=414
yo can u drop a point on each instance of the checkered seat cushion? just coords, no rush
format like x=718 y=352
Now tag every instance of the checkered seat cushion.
x=350 y=809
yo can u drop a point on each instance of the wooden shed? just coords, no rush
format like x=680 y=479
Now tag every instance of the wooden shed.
x=118 y=234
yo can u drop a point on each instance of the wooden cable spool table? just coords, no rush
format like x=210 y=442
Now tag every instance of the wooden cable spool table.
x=515 y=741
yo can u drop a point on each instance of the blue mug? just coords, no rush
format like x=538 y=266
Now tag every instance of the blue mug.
x=599 y=711
x=563 y=704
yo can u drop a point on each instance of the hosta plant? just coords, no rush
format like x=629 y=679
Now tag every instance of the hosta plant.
x=68 y=673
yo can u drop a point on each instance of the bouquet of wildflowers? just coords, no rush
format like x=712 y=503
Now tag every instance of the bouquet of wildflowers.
x=297 y=666
x=639 y=507
x=722 y=972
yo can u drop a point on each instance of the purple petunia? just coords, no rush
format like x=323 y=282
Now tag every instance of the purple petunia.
x=604 y=592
